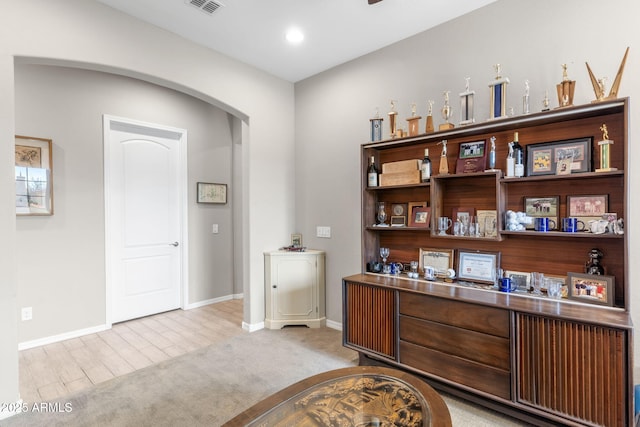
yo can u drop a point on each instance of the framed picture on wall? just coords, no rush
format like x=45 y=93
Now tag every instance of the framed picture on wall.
x=212 y=193
x=33 y=175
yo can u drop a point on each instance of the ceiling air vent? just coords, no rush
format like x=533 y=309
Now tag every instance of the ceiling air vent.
x=207 y=6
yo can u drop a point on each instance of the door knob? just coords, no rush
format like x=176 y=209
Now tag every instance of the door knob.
x=174 y=244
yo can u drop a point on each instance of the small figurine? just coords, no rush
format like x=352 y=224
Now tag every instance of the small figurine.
x=605 y=131
x=525 y=98
x=429 y=122
x=444 y=163
x=593 y=266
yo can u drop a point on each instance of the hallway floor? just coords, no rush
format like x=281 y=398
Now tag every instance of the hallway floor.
x=56 y=370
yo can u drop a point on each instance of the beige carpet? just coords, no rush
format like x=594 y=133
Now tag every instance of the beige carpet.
x=212 y=385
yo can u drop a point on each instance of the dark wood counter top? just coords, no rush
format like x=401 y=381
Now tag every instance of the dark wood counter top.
x=562 y=309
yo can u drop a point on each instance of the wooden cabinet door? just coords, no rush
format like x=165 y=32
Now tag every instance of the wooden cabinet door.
x=573 y=369
x=369 y=319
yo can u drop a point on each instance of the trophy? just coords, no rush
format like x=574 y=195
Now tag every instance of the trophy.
x=392 y=119
x=376 y=127
x=599 y=84
x=525 y=98
x=446 y=113
x=605 y=157
x=466 y=105
x=498 y=95
x=444 y=162
x=545 y=101
x=429 y=125
x=413 y=121
x=565 y=89
x=492 y=155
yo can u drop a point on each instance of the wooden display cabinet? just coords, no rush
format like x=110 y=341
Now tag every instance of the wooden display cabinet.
x=536 y=358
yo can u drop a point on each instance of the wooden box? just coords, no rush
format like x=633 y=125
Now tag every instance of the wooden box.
x=401 y=166
x=399 y=178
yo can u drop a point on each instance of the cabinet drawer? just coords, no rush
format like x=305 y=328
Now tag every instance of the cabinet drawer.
x=475 y=375
x=475 y=346
x=488 y=320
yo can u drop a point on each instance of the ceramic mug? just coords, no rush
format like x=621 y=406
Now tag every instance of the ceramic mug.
x=572 y=225
x=544 y=224
x=505 y=284
x=429 y=273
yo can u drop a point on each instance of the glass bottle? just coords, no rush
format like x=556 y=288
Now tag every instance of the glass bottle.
x=425 y=169
x=372 y=173
x=518 y=154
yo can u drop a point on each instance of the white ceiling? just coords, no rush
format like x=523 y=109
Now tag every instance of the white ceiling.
x=336 y=31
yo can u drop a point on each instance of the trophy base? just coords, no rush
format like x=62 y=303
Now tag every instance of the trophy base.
x=606 y=169
x=446 y=126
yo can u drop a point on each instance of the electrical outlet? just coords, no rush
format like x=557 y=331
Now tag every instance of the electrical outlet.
x=27 y=313
x=214 y=228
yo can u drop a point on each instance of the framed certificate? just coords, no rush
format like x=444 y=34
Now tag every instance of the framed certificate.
x=440 y=259
x=478 y=266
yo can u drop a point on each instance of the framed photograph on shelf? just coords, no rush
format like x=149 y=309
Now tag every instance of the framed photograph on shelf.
x=478 y=266
x=459 y=213
x=520 y=278
x=296 y=240
x=591 y=288
x=543 y=158
x=33 y=175
x=542 y=207
x=472 y=157
x=212 y=193
x=440 y=259
x=587 y=208
x=420 y=217
x=487 y=222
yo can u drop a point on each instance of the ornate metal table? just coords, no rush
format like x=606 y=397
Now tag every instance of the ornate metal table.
x=357 y=396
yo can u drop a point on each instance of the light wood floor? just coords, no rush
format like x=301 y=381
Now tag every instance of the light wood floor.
x=55 y=370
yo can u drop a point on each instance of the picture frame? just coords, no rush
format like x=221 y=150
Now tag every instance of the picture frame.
x=591 y=288
x=472 y=157
x=478 y=266
x=33 y=176
x=440 y=259
x=398 y=221
x=588 y=207
x=542 y=207
x=487 y=222
x=520 y=278
x=209 y=192
x=411 y=213
x=296 y=240
x=457 y=213
x=420 y=217
x=543 y=158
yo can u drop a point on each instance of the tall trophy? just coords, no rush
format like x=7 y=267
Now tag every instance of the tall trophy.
x=446 y=113
x=393 y=114
x=413 y=121
x=376 y=127
x=525 y=98
x=605 y=155
x=565 y=89
x=466 y=105
x=599 y=84
x=444 y=162
x=498 y=94
x=428 y=128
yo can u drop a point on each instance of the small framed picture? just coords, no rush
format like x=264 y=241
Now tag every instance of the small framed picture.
x=478 y=266
x=420 y=217
x=520 y=278
x=440 y=259
x=212 y=193
x=547 y=158
x=487 y=222
x=591 y=288
x=296 y=240
x=587 y=208
x=459 y=213
x=33 y=175
x=472 y=157
x=542 y=207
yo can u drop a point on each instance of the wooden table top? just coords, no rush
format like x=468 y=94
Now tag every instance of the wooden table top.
x=358 y=396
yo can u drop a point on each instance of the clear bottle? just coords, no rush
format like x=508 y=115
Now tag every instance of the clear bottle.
x=518 y=155
x=372 y=173
x=425 y=169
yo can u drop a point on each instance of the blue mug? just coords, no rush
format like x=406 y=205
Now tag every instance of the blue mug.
x=570 y=225
x=543 y=224
x=505 y=284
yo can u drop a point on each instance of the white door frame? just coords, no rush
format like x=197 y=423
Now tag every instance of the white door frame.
x=130 y=124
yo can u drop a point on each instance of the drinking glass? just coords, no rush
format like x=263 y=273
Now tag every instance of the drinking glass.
x=537 y=280
x=384 y=254
x=382 y=214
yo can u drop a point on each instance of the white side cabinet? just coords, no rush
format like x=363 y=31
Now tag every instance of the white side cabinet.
x=294 y=289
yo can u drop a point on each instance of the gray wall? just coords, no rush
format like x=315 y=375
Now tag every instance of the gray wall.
x=530 y=39
x=60 y=258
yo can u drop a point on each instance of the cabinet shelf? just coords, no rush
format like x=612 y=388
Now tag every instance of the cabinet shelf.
x=396 y=187
x=578 y=235
x=385 y=229
x=577 y=176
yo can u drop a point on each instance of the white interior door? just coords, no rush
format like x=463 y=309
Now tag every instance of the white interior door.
x=144 y=194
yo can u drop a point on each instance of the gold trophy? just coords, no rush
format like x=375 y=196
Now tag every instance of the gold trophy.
x=392 y=119
x=446 y=113
x=466 y=104
x=599 y=84
x=413 y=121
x=429 y=124
x=565 y=89
x=605 y=158
x=444 y=162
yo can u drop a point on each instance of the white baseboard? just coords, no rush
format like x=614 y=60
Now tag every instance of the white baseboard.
x=212 y=301
x=334 y=325
x=12 y=409
x=61 y=337
x=252 y=327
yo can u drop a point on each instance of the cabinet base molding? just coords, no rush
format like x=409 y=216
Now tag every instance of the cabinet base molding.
x=279 y=324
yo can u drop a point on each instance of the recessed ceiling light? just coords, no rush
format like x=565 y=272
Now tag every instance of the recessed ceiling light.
x=294 y=36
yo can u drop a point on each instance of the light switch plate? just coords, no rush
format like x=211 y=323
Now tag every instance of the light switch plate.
x=214 y=228
x=323 y=231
